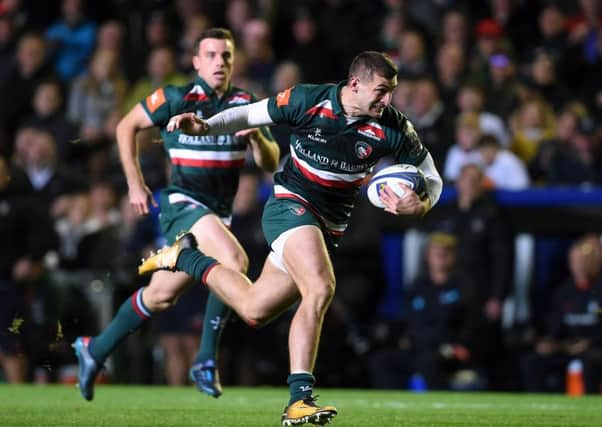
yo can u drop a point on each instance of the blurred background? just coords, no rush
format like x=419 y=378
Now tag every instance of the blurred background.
x=498 y=288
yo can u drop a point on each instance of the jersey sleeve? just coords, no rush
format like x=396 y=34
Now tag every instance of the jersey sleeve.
x=407 y=145
x=287 y=107
x=158 y=106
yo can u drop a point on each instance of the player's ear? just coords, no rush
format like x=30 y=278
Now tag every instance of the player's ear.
x=196 y=62
x=354 y=83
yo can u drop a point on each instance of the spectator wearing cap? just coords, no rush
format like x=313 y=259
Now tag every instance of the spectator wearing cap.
x=503 y=169
x=502 y=90
x=489 y=39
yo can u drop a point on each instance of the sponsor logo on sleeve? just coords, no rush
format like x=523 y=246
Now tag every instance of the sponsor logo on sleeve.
x=155 y=100
x=283 y=97
x=297 y=210
x=371 y=130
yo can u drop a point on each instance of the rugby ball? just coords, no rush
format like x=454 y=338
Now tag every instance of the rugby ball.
x=406 y=174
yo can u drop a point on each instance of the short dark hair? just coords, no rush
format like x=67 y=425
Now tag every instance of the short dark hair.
x=488 y=140
x=370 y=62
x=214 y=33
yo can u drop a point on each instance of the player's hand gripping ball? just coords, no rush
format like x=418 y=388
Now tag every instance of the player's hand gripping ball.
x=392 y=176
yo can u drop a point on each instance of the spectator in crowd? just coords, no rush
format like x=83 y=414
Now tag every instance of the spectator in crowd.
x=450 y=71
x=111 y=36
x=431 y=120
x=156 y=34
x=437 y=336
x=489 y=40
x=238 y=13
x=531 y=123
x=502 y=89
x=48 y=116
x=71 y=40
x=542 y=81
x=573 y=330
x=484 y=249
x=160 y=71
x=88 y=228
x=465 y=150
x=36 y=154
x=455 y=30
x=394 y=23
x=413 y=61
x=472 y=99
x=503 y=169
x=193 y=26
x=26 y=237
x=552 y=36
x=572 y=115
x=308 y=48
x=578 y=160
x=18 y=88
x=95 y=94
x=256 y=42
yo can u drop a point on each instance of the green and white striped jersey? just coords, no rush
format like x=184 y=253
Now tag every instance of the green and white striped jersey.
x=204 y=169
x=331 y=154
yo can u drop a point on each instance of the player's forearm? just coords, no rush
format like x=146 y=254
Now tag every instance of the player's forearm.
x=244 y=117
x=266 y=152
x=434 y=183
x=128 y=152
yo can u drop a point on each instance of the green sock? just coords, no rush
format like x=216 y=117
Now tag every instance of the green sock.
x=216 y=316
x=300 y=385
x=130 y=316
x=195 y=263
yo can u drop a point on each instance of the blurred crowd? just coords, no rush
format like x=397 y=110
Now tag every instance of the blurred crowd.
x=506 y=94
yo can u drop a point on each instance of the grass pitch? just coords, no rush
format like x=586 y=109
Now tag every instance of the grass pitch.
x=117 y=406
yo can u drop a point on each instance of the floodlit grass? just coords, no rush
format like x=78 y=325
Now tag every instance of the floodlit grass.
x=117 y=406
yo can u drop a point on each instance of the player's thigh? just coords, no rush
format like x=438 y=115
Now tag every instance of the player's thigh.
x=307 y=260
x=216 y=240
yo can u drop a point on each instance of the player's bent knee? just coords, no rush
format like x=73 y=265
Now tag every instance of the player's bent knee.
x=238 y=262
x=159 y=299
x=254 y=318
x=320 y=294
